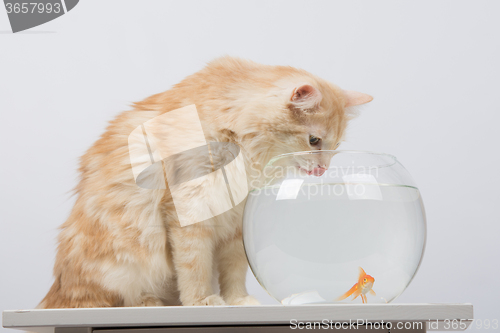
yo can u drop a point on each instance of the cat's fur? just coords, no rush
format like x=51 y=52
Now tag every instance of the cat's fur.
x=122 y=245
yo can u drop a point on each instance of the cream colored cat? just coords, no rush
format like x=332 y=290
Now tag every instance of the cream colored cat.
x=122 y=244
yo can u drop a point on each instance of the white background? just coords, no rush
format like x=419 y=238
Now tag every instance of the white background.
x=432 y=67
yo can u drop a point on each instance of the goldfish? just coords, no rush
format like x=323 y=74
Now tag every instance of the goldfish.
x=362 y=287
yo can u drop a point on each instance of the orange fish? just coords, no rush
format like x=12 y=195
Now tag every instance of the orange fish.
x=362 y=287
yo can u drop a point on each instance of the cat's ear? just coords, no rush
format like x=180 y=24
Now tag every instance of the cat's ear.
x=305 y=97
x=353 y=98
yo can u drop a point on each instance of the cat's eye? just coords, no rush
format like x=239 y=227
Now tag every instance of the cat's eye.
x=313 y=140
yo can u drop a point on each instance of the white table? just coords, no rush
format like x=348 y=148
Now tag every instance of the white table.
x=266 y=318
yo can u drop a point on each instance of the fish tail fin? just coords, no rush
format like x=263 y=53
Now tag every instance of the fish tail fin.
x=347 y=294
x=356 y=294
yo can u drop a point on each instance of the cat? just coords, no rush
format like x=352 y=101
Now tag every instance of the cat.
x=123 y=245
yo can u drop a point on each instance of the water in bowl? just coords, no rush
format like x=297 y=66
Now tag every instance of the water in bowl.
x=306 y=242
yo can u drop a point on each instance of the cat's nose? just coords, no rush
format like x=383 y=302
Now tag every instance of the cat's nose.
x=318 y=171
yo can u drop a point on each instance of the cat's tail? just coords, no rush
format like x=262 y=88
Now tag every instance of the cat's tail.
x=49 y=300
x=80 y=294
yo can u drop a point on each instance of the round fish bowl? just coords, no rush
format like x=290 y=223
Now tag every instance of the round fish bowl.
x=334 y=226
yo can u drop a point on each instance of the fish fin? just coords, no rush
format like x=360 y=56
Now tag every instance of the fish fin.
x=349 y=293
x=363 y=298
x=372 y=292
x=356 y=294
x=361 y=273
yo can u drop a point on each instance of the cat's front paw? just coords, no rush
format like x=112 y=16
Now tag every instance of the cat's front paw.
x=150 y=300
x=209 y=300
x=245 y=300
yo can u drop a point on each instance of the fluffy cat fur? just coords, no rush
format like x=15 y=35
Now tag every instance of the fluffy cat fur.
x=122 y=245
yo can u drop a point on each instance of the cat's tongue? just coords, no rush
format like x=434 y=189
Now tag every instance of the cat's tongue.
x=318 y=171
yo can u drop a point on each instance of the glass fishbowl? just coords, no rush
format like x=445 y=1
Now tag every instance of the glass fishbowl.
x=334 y=227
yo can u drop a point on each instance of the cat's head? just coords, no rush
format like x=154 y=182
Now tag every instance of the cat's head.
x=304 y=114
